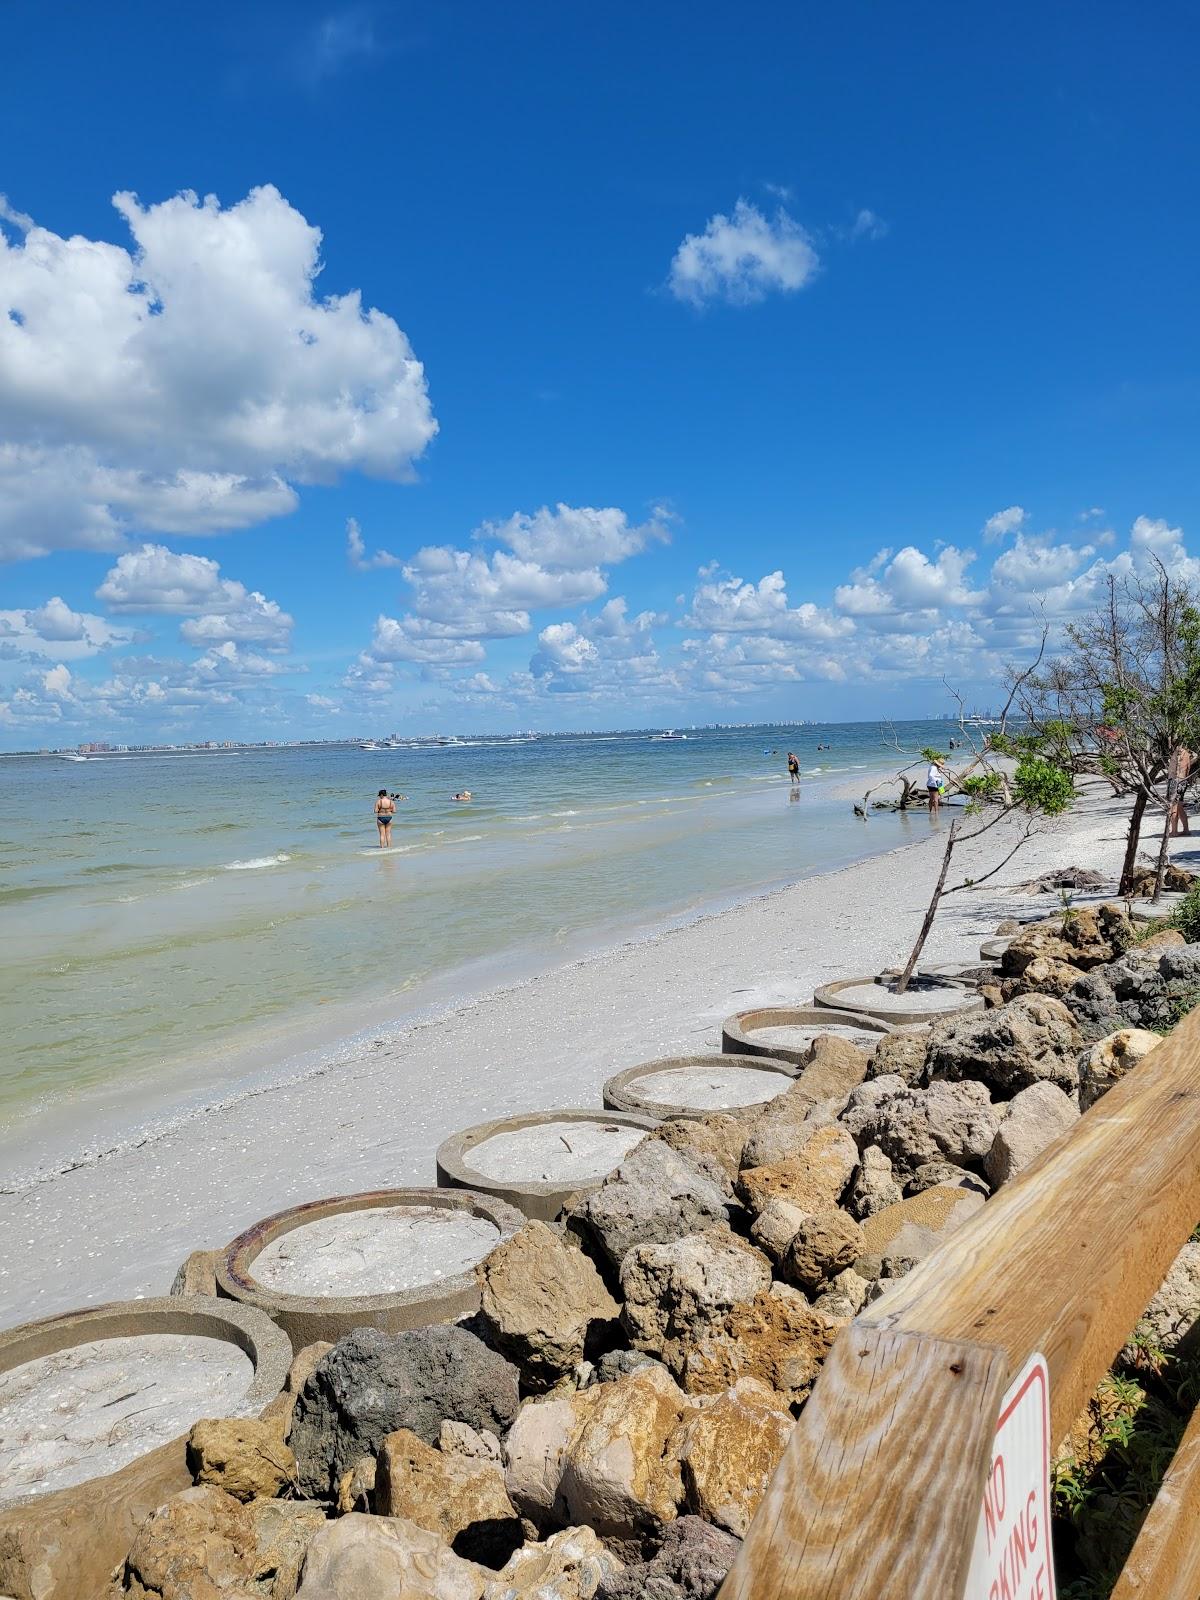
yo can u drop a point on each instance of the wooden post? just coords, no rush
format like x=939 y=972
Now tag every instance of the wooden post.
x=1164 y=1564
x=1063 y=1260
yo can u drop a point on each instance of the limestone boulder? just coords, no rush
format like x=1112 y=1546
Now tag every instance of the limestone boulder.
x=874 y=1184
x=901 y=1235
x=1033 y=1039
x=619 y=1475
x=199 y=1545
x=356 y=1488
x=615 y=1364
x=283 y=1531
x=1084 y=939
x=385 y=1558
x=1165 y=939
x=1094 y=1005
x=245 y=1457
x=656 y=1194
x=900 y=1055
x=728 y=1451
x=713 y=1142
x=953 y=1122
x=834 y=1069
x=690 y=1564
x=935 y=1173
x=1174 y=1311
x=782 y=1128
x=1035 y=1119
x=198 y=1274
x=67 y=1543
x=459 y=1439
x=534 y=1452
x=842 y=1298
x=540 y=1298
x=776 y=1338
x=775 y=1227
x=811 y=1180
x=1107 y=1061
x=372 y=1383
x=826 y=1243
x=461 y=1499
x=571 y=1565
x=675 y=1292
x=1043 y=976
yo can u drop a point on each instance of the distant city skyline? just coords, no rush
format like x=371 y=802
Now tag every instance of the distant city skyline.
x=490 y=370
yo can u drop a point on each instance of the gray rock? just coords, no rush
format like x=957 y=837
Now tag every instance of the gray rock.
x=953 y=1122
x=615 y=1364
x=1033 y=1039
x=901 y=1055
x=655 y=1195
x=691 y=1564
x=775 y=1227
x=943 y=1174
x=1035 y=1119
x=874 y=1184
x=675 y=1292
x=844 y=1297
x=372 y=1383
x=1094 y=1005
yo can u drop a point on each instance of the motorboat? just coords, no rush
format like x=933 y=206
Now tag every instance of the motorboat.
x=668 y=733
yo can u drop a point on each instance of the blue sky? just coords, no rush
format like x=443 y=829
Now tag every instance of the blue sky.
x=710 y=363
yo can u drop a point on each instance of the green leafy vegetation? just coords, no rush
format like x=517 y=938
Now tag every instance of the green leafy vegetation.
x=1041 y=785
x=1186 y=916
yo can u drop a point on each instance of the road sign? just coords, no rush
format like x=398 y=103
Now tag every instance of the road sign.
x=1012 y=1559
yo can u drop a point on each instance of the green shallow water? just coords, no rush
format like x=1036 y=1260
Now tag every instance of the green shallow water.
x=155 y=907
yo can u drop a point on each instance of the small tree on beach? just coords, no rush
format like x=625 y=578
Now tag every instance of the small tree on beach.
x=1126 y=699
x=1038 y=788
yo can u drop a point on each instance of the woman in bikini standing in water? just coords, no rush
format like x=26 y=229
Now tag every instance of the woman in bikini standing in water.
x=385 y=810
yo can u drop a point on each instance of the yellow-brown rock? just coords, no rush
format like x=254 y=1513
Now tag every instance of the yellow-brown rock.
x=356 y=1486
x=244 y=1456
x=813 y=1180
x=618 y=1474
x=200 y=1545
x=65 y=1545
x=728 y=1451
x=445 y=1493
x=776 y=1338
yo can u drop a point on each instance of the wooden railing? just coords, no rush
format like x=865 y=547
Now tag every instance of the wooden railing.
x=878 y=1494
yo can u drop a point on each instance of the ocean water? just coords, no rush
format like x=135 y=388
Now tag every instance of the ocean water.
x=166 y=908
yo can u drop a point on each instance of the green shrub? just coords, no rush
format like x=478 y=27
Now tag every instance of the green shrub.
x=1041 y=786
x=1186 y=916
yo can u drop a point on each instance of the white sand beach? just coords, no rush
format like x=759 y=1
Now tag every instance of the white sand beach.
x=117 y=1224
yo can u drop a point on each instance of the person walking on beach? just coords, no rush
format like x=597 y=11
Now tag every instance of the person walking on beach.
x=385 y=810
x=793 y=768
x=935 y=782
x=1177 y=777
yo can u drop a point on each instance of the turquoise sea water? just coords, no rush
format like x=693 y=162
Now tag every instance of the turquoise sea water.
x=155 y=908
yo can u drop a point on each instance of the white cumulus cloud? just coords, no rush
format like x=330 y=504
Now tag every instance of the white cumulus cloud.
x=188 y=383
x=156 y=581
x=742 y=258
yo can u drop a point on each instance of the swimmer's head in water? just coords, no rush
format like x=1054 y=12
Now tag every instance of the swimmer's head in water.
x=382 y=792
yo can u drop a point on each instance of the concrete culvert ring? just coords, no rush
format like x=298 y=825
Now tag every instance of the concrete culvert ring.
x=788 y=1033
x=86 y=1393
x=993 y=949
x=928 y=998
x=693 y=1086
x=388 y=1258
x=540 y=1161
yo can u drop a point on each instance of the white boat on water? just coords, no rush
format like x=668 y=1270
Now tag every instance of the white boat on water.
x=668 y=733
x=70 y=755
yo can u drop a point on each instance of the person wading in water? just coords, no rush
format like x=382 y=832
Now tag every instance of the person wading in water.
x=385 y=810
x=793 y=768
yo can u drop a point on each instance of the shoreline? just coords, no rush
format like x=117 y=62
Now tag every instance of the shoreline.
x=117 y=1222
x=56 y=1133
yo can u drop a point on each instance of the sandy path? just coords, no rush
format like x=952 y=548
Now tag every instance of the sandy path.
x=119 y=1226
